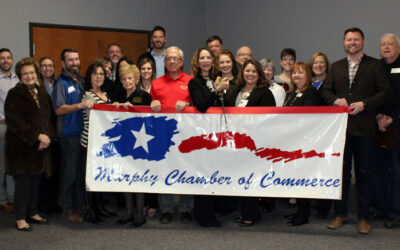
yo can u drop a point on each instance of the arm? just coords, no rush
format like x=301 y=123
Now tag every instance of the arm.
x=202 y=100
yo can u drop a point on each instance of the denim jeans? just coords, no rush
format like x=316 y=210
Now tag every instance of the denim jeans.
x=6 y=181
x=72 y=190
x=167 y=203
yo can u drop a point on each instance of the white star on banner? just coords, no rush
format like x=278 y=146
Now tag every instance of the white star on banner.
x=142 y=138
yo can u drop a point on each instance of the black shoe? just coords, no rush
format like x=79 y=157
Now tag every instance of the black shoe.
x=238 y=219
x=125 y=220
x=290 y=216
x=186 y=217
x=165 y=218
x=43 y=221
x=139 y=221
x=103 y=212
x=27 y=228
x=322 y=215
x=245 y=223
x=226 y=212
x=210 y=223
x=391 y=223
x=297 y=221
x=95 y=219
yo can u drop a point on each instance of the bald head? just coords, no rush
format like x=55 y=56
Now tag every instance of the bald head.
x=244 y=53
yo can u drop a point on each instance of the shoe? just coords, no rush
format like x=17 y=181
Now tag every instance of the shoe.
x=364 y=227
x=246 y=223
x=186 y=217
x=238 y=219
x=297 y=221
x=105 y=213
x=94 y=218
x=139 y=221
x=165 y=218
x=151 y=212
x=391 y=223
x=226 y=212
x=290 y=216
x=80 y=210
x=337 y=222
x=27 y=228
x=43 y=221
x=125 y=220
x=73 y=217
x=7 y=208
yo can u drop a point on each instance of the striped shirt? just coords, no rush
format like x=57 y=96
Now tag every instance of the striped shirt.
x=89 y=95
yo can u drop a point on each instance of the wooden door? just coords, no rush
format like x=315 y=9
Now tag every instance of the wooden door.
x=91 y=42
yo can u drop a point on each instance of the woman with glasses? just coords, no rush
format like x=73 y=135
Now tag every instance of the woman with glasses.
x=288 y=59
x=47 y=73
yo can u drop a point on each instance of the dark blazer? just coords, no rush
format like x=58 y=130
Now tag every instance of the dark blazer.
x=25 y=121
x=309 y=97
x=138 y=97
x=257 y=97
x=202 y=97
x=370 y=86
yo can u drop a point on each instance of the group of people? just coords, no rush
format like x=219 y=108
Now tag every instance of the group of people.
x=44 y=125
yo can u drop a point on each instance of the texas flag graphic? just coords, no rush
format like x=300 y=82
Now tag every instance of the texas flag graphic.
x=273 y=152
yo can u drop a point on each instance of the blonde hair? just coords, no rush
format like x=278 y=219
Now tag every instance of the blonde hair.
x=130 y=68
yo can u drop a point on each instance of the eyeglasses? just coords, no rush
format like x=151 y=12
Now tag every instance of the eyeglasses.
x=97 y=74
x=172 y=59
x=288 y=59
x=244 y=54
x=46 y=66
x=31 y=73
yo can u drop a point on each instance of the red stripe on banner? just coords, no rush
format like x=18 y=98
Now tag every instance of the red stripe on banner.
x=230 y=110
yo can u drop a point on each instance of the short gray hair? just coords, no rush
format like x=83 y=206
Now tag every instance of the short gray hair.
x=266 y=62
x=392 y=35
x=180 y=52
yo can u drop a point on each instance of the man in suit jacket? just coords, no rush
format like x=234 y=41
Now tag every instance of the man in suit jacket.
x=360 y=83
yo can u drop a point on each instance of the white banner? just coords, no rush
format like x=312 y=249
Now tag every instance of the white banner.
x=272 y=152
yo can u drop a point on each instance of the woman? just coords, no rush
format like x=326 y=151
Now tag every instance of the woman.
x=319 y=65
x=251 y=90
x=205 y=91
x=94 y=80
x=29 y=129
x=301 y=93
x=147 y=73
x=47 y=73
x=108 y=85
x=117 y=90
x=277 y=90
x=288 y=58
x=131 y=95
x=227 y=66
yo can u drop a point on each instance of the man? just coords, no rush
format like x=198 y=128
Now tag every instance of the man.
x=171 y=90
x=214 y=43
x=244 y=53
x=386 y=175
x=67 y=96
x=114 y=53
x=8 y=79
x=358 y=82
x=157 y=52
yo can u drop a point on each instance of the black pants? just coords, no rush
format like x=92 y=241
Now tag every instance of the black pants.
x=26 y=195
x=204 y=208
x=361 y=147
x=249 y=209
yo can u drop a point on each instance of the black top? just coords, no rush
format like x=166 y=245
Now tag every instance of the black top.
x=392 y=106
x=309 y=97
x=138 y=97
x=257 y=97
x=203 y=98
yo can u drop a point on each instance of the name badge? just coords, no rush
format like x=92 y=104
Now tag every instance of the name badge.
x=137 y=100
x=395 y=71
x=71 y=89
x=299 y=95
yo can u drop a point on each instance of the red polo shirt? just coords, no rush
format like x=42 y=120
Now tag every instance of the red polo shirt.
x=168 y=90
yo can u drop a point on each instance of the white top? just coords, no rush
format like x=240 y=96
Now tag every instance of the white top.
x=279 y=93
x=6 y=83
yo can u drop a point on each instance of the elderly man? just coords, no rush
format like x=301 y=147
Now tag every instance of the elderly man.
x=358 y=82
x=114 y=53
x=8 y=79
x=214 y=43
x=171 y=90
x=244 y=53
x=68 y=106
x=386 y=185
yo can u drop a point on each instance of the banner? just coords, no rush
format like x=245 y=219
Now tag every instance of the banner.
x=260 y=151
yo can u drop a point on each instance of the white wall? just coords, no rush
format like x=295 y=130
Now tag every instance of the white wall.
x=308 y=26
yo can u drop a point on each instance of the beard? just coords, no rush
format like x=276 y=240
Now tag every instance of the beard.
x=5 y=67
x=158 y=45
x=73 y=70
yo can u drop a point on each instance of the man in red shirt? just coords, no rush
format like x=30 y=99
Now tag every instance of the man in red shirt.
x=171 y=90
